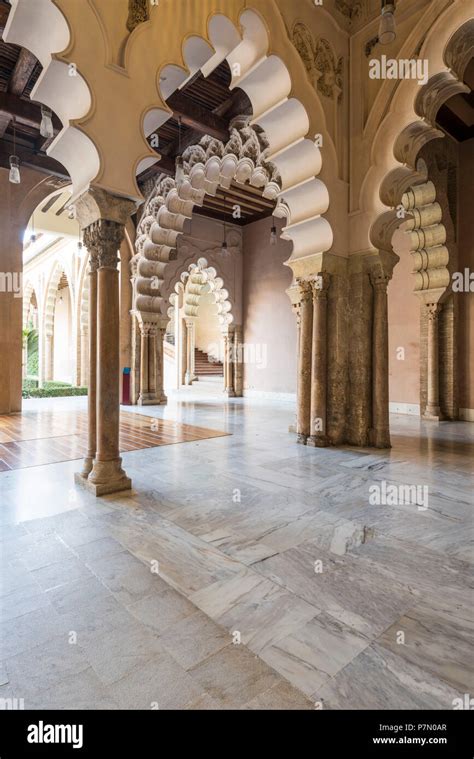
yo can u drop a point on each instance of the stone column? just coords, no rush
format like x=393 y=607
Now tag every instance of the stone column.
x=238 y=362
x=92 y=378
x=107 y=475
x=318 y=425
x=229 y=363
x=190 y=345
x=303 y=426
x=160 y=366
x=144 y=395
x=380 y=395
x=432 y=410
x=84 y=378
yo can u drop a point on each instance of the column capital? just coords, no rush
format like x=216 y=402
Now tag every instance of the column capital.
x=103 y=239
x=320 y=285
x=379 y=280
x=305 y=290
x=433 y=310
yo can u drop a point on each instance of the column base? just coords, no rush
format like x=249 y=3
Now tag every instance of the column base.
x=151 y=400
x=301 y=439
x=229 y=392
x=381 y=438
x=317 y=441
x=86 y=468
x=106 y=477
x=432 y=414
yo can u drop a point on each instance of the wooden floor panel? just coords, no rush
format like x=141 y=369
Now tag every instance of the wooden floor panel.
x=33 y=438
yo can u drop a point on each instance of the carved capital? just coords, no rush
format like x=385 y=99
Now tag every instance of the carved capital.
x=305 y=290
x=92 y=250
x=379 y=280
x=320 y=286
x=433 y=310
x=103 y=239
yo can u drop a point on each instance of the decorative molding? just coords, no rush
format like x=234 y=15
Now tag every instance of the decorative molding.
x=324 y=68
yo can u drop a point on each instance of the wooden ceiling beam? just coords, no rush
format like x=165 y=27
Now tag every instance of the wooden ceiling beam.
x=198 y=118
x=22 y=72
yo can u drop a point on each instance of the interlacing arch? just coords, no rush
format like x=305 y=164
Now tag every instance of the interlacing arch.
x=269 y=150
x=199 y=280
x=399 y=184
x=50 y=297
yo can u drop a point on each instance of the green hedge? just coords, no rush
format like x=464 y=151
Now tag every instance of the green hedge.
x=54 y=392
x=32 y=352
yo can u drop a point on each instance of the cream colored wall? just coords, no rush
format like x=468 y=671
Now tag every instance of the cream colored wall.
x=466 y=260
x=269 y=323
x=403 y=330
x=64 y=343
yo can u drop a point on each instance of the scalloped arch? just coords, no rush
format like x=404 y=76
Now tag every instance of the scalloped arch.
x=406 y=174
x=269 y=150
x=201 y=279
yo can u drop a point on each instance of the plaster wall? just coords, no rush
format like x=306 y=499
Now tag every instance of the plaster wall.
x=63 y=338
x=403 y=330
x=269 y=324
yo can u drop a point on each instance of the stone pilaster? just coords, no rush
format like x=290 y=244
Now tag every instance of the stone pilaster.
x=318 y=423
x=229 y=363
x=380 y=392
x=303 y=422
x=144 y=395
x=190 y=376
x=238 y=361
x=432 y=410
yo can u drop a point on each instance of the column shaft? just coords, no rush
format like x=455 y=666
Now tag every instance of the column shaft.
x=432 y=410
x=92 y=378
x=229 y=364
x=238 y=362
x=303 y=426
x=84 y=378
x=380 y=394
x=318 y=425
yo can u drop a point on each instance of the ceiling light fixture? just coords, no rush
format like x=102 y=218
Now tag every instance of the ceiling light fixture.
x=14 y=175
x=46 y=126
x=387 y=26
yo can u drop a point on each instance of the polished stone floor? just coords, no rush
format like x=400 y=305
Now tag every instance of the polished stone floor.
x=344 y=589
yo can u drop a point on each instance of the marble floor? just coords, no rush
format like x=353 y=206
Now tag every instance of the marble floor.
x=243 y=571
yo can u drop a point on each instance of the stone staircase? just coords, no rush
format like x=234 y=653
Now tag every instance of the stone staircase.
x=205 y=368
